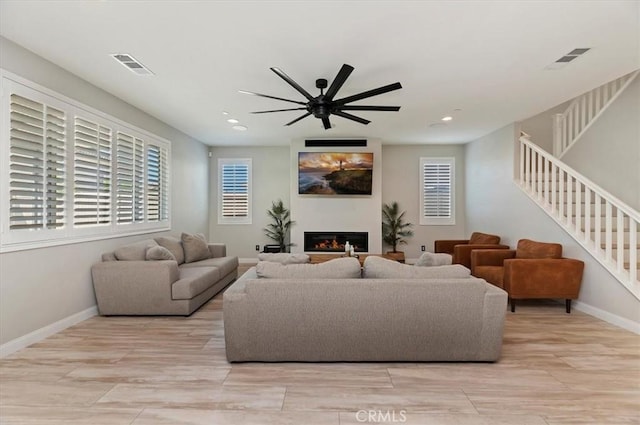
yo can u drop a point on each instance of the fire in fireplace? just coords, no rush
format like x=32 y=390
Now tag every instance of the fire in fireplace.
x=335 y=241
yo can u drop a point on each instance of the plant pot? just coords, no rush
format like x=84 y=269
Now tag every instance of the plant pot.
x=397 y=256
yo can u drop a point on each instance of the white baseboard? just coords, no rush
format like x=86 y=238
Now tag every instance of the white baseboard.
x=42 y=333
x=614 y=319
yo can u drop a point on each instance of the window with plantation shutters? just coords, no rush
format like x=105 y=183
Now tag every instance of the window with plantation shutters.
x=129 y=179
x=36 y=165
x=70 y=173
x=91 y=173
x=437 y=205
x=234 y=191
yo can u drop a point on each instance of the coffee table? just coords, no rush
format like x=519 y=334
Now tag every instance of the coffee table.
x=321 y=258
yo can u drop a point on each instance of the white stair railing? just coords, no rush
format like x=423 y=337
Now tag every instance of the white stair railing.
x=583 y=111
x=601 y=223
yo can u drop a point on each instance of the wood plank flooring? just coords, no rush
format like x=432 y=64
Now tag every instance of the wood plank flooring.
x=556 y=369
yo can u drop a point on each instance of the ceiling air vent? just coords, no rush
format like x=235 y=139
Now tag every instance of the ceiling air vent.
x=564 y=60
x=132 y=64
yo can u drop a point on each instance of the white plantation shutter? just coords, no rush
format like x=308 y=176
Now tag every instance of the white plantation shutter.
x=234 y=191
x=69 y=173
x=92 y=173
x=437 y=191
x=129 y=179
x=36 y=164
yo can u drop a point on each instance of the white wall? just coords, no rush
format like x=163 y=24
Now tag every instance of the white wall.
x=41 y=286
x=316 y=213
x=271 y=174
x=540 y=127
x=496 y=205
x=609 y=152
x=401 y=183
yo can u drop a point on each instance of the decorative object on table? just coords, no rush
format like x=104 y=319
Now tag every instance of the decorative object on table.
x=347 y=249
x=395 y=229
x=324 y=105
x=278 y=231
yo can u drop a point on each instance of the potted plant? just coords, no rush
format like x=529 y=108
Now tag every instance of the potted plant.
x=395 y=229
x=278 y=231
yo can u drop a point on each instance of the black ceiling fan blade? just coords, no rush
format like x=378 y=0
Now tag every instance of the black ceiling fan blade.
x=326 y=123
x=298 y=119
x=351 y=117
x=337 y=82
x=369 y=93
x=366 y=108
x=292 y=83
x=279 y=110
x=270 y=97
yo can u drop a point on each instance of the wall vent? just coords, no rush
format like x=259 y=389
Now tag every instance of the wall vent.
x=132 y=64
x=335 y=143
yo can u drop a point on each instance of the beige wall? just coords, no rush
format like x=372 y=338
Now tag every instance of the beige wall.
x=497 y=205
x=41 y=286
x=401 y=183
x=270 y=168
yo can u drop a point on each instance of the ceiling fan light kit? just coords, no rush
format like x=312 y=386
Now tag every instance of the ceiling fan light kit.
x=324 y=105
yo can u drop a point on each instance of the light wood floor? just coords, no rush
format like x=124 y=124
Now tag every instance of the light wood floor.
x=555 y=369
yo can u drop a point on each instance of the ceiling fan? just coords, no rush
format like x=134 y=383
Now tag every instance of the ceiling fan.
x=324 y=105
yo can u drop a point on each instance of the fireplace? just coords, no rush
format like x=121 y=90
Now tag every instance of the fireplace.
x=334 y=241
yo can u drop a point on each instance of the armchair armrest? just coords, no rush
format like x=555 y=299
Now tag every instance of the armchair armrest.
x=490 y=257
x=446 y=246
x=462 y=253
x=543 y=278
x=218 y=250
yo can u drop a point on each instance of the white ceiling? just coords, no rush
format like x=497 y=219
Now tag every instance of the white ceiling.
x=486 y=58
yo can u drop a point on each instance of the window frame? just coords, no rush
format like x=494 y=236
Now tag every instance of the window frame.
x=248 y=219
x=438 y=220
x=16 y=239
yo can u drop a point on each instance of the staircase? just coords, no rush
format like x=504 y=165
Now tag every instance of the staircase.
x=583 y=111
x=601 y=223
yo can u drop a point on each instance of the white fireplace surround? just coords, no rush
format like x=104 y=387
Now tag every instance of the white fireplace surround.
x=348 y=213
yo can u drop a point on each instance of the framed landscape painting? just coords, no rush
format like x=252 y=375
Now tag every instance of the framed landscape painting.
x=335 y=173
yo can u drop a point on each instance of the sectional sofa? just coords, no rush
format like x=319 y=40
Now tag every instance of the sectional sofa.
x=395 y=312
x=162 y=276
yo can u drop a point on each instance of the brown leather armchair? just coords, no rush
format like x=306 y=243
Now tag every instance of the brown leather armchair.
x=532 y=270
x=460 y=249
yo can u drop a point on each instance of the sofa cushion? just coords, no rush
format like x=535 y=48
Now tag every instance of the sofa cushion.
x=156 y=253
x=381 y=268
x=174 y=245
x=483 y=238
x=532 y=249
x=340 y=268
x=195 y=247
x=194 y=281
x=429 y=259
x=225 y=264
x=135 y=251
x=284 y=258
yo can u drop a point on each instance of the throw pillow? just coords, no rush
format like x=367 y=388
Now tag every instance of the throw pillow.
x=284 y=258
x=135 y=251
x=340 y=268
x=381 y=268
x=157 y=253
x=195 y=247
x=429 y=259
x=174 y=245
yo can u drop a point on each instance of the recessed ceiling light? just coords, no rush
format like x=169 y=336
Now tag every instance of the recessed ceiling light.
x=447 y=118
x=233 y=121
x=239 y=127
x=225 y=113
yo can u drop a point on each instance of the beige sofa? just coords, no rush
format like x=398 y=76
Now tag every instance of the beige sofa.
x=126 y=283
x=424 y=314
